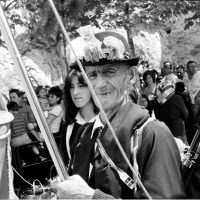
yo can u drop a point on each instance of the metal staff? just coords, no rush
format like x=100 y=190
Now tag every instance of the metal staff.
x=41 y=120
x=96 y=99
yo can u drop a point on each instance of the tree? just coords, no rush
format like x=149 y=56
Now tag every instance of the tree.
x=43 y=27
x=129 y=13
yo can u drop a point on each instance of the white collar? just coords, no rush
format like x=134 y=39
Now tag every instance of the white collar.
x=81 y=121
x=97 y=124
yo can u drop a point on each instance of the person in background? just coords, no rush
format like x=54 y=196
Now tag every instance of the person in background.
x=79 y=109
x=144 y=101
x=180 y=71
x=170 y=108
x=192 y=83
x=166 y=71
x=43 y=99
x=150 y=84
x=20 y=133
x=107 y=63
x=191 y=124
x=14 y=96
x=55 y=113
x=47 y=88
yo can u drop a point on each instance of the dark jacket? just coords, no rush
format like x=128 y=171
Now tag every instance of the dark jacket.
x=173 y=113
x=63 y=147
x=158 y=157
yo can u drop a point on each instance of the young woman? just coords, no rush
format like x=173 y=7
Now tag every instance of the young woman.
x=79 y=109
x=150 y=84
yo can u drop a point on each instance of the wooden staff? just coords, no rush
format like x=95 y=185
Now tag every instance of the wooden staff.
x=32 y=98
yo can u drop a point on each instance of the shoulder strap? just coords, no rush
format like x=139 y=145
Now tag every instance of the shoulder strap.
x=136 y=141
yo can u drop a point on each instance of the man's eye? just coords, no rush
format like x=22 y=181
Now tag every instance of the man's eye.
x=92 y=75
x=109 y=73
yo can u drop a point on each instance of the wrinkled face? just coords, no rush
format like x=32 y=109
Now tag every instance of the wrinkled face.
x=80 y=93
x=192 y=68
x=14 y=97
x=110 y=83
x=149 y=80
x=42 y=93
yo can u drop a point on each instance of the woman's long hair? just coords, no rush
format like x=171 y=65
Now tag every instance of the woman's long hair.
x=70 y=109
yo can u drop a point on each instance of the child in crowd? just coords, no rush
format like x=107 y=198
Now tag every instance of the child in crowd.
x=43 y=99
x=55 y=112
x=144 y=101
x=20 y=133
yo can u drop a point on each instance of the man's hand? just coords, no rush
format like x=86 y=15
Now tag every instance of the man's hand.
x=73 y=188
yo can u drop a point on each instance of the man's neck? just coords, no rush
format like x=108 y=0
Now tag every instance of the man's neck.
x=110 y=113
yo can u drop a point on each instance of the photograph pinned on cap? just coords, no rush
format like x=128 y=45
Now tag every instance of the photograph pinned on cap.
x=101 y=48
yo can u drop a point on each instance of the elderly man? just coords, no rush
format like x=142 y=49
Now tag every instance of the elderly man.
x=98 y=166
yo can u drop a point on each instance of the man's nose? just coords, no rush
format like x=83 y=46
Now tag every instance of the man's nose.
x=100 y=81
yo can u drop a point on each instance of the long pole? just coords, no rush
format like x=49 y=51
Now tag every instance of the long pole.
x=32 y=98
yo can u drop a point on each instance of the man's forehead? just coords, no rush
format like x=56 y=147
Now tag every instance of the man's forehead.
x=117 y=67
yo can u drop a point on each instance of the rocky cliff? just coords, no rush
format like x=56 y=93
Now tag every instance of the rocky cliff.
x=45 y=64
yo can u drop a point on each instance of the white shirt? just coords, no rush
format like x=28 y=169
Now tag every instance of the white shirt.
x=97 y=124
x=193 y=85
x=55 y=124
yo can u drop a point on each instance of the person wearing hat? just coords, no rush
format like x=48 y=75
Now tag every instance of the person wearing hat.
x=180 y=71
x=107 y=62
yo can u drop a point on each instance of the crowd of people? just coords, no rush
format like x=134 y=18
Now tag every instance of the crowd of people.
x=171 y=98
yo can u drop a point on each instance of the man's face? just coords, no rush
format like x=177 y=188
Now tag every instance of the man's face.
x=110 y=84
x=14 y=97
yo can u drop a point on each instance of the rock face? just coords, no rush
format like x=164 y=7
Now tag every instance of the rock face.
x=45 y=65
x=171 y=43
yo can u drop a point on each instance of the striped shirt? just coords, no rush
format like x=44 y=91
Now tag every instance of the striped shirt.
x=18 y=125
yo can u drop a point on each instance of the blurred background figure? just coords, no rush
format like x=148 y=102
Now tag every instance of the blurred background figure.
x=55 y=112
x=170 y=108
x=144 y=102
x=180 y=71
x=149 y=78
x=43 y=99
x=191 y=123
